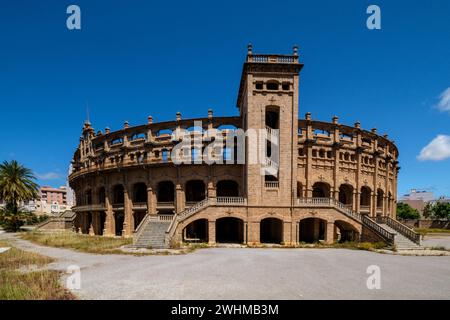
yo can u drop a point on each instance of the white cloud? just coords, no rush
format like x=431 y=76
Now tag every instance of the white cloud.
x=444 y=101
x=438 y=149
x=50 y=176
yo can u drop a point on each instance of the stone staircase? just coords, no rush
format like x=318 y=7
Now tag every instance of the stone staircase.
x=400 y=241
x=152 y=235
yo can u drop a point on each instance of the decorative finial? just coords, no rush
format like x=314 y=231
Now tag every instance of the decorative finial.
x=149 y=119
x=308 y=116
x=126 y=125
x=335 y=119
x=357 y=124
x=210 y=113
x=385 y=136
x=249 y=49
x=107 y=130
x=295 y=50
x=374 y=130
x=178 y=116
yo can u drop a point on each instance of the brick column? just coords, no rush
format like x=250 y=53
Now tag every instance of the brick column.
x=357 y=201
x=211 y=232
x=251 y=232
x=110 y=227
x=151 y=202
x=329 y=238
x=128 y=214
x=373 y=204
x=179 y=198
x=212 y=192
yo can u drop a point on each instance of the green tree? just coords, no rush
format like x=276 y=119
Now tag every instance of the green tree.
x=17 y=185
x=428 y=210
x=441 y=210
x=405 y=211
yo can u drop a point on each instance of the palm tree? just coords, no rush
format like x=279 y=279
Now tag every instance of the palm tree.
x=16 y=186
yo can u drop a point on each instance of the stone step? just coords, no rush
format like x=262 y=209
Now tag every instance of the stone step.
x=153 y=235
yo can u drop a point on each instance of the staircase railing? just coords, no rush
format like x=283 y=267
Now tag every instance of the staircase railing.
x=401 y=228
x=330 y=202
x=379 y=230
x=140 y=228
x=184 y=215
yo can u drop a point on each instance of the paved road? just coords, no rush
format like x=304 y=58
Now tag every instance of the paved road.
x=241 y=273
x=437 y=240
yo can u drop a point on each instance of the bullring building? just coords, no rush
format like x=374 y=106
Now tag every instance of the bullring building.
x=314 y=181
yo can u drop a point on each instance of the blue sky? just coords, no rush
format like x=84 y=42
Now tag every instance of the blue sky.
x=132 y=59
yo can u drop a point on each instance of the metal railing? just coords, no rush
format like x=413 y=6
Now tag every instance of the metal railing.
x=401 y=228
x=379 y=230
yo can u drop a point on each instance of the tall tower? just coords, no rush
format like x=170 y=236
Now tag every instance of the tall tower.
x=268 y=104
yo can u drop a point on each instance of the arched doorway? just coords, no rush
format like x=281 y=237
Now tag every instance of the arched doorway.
x=118 y=194
x=140 y=193
x=271 y=230
x=346 y=232
x=321 y=190
x=346 y=195
x=118 y=221
x=227 y=188
x=229 y=230
x=195 y=191
x=272 y=117
x=165 y=191
x=380 y=202
x=365 y=199
x=101 y=195
x=196 y=231
x=312 y=230
x=88 y=197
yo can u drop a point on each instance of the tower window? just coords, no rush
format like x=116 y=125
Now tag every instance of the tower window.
x=259 y=85
x=285 y=86
x=272 y=85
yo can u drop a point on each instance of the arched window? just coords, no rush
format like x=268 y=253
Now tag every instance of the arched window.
x=165 y=191
x=118 y=194
x=321 y=190
x=140 y=192
x=195 y=191
x=227 y=188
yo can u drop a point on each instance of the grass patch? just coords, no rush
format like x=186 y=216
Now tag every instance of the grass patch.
x=22 y=285
x=424 y=231
x=83 y=243
x=370 y=246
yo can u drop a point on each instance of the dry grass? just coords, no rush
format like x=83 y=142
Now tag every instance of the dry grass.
x=21 y=285
x=83 y=243
x=425 y=231
x=370 y=246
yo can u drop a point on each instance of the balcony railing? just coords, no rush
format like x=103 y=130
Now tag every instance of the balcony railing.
x=364 y=208
x=272 y=184
x=90 y=207
x=271 y=58
x=139 y=205
x=165 y=204
x=118 y=206
x=165 y=217
x=230 y=201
